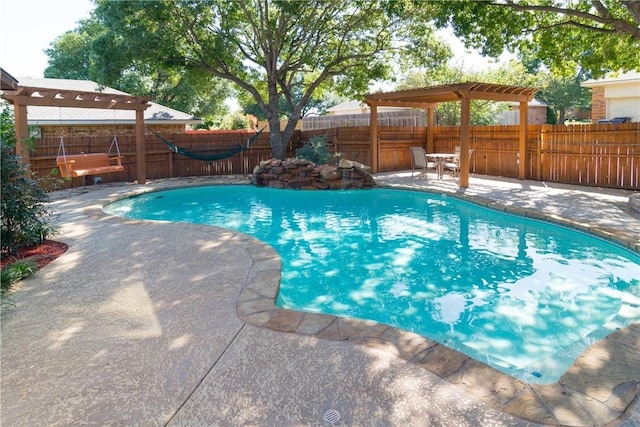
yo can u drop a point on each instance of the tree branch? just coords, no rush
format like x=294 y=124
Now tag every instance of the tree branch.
x=618 y=25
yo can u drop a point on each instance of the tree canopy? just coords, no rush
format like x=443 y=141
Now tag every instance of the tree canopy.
x=482 y=112
x=96 y=51
x=280 y=52
x=283 y=57
x=596 y=35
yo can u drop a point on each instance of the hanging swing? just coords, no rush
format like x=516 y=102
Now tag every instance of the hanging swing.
x=75 y=165
x=229 y=151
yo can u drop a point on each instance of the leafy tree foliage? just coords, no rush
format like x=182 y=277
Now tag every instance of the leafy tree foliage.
x=482 y=112
x=7 y=127
x=23 y=214
x=96 y=51
x=564 y=94
x=277 y=51
x=596 y=35
x=235 y=121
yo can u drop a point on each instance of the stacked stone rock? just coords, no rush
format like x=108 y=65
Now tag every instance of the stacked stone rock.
x=306 y=175
x=634 y=202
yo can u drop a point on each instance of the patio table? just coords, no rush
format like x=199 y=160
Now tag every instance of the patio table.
x=440 y=159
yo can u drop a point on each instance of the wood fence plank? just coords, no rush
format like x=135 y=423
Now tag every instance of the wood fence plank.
x=604 y=155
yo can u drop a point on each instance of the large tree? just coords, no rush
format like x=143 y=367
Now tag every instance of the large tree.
x=278 y=51
x=93 y=51
x=596 y=35
x=564 y=94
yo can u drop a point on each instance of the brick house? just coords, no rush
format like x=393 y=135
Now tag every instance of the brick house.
x=536 y=113
x=615 y=96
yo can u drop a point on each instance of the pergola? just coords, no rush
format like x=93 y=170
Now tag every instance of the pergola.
x=428 y=98
x=23 y=96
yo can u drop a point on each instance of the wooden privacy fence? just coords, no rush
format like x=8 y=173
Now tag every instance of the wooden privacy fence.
x=601 y=155
x=161 y=162
x=404 y=118
x=606 y=155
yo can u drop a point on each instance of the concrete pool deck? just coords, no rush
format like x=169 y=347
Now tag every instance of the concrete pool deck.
x=145 y=323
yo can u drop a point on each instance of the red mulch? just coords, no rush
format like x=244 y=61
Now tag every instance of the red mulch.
x=43 y=253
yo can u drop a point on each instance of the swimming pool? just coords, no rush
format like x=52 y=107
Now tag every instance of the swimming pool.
x=521 y=295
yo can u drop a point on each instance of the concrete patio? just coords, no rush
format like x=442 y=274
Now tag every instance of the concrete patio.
x=146 y=323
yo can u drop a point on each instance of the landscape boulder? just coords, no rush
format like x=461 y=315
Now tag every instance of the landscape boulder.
x=306 y=175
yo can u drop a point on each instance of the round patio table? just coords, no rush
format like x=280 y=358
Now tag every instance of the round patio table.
x=440 y=159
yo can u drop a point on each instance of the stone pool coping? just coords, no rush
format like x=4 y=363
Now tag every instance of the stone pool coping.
x=599 y=388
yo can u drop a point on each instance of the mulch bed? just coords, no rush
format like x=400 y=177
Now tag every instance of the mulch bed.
x=43 y=254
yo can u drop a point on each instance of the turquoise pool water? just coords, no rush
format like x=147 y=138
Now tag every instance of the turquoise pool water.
x=523 y=296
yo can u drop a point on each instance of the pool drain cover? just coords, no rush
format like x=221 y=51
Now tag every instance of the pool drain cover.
x=331 y=416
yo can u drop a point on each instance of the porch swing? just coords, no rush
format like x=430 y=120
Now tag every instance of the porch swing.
x=78 y=165
x=75 y=165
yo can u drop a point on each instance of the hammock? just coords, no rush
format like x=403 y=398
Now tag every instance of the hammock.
x=231 y=151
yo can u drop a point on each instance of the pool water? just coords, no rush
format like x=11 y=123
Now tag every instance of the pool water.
x=524 y=296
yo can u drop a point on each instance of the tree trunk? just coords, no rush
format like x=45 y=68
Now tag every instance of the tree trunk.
x=278 y=145
x=280 y=139
x=563 y=113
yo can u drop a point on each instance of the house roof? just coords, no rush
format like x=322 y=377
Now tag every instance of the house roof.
x=358 y=106
x=348 y=105
x=7 y=81
x=39 y=115
x=610 y=80
x=533 y=103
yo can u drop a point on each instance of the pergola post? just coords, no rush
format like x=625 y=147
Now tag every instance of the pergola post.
x=465 y=118
x=141 y=162
x=374 y=137
x=428 y=98
x=522 y=140
x=431 y=124
x=22 y=132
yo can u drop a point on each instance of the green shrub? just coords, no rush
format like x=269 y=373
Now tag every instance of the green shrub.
x=11 y=274
x=316 y=150
x=23 y=213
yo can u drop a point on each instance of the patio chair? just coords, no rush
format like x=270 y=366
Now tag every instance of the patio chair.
x=454 y=166
x=419 y=161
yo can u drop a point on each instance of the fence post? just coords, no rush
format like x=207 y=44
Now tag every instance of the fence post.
x=170 y=166
x=374 y=138
x=522 y=151
x=541 y=141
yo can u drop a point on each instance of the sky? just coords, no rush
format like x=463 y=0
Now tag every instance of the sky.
x=28 y=27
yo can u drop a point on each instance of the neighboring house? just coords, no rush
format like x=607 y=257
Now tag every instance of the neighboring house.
x=536 y=113
x=357 y=107
x=7 y=81
x=615 y=96
x=356 y=113
x=48 y=121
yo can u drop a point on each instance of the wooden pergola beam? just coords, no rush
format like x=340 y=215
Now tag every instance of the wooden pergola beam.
x=24 y=96
x=461 y=92
x=73 y=103
x=422 y=105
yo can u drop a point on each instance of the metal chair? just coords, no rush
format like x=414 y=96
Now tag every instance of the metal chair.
x=454 y=166
x=419 y=161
